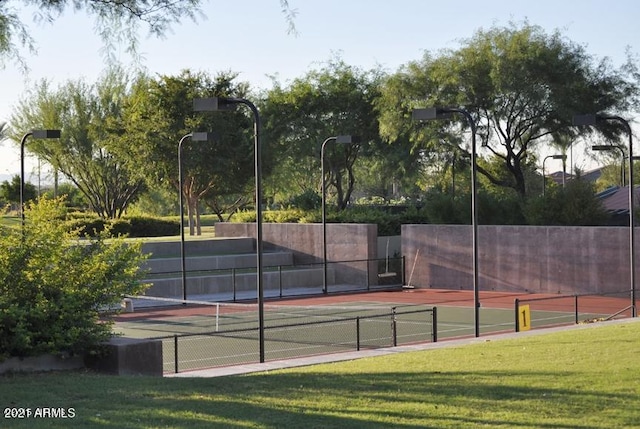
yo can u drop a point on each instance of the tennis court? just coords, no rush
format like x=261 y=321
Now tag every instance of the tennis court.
x=203 y=335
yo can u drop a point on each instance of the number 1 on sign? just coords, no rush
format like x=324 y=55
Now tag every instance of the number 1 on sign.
x=524 y=318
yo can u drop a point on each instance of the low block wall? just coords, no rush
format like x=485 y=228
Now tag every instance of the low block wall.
x=544 y=259
x=129 y=356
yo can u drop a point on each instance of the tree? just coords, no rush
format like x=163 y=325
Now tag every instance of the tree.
x=520 y=85
x=83 y=153
x=160 y=112
x=10 y=191
x=575 y=204
x=117 y=21
x=336 y=100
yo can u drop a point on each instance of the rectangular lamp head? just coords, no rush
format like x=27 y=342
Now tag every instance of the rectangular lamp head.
x=346 y=139
x=581 y=120
x=45 y=134
x=212 y=104
x=430 y=114
x=199 y=136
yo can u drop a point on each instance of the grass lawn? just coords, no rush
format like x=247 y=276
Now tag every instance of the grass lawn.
x=584 y=379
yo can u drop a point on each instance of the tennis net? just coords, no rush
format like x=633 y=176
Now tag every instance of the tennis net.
x=217 y=316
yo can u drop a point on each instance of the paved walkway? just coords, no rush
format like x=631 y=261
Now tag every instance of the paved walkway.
x=338 y=357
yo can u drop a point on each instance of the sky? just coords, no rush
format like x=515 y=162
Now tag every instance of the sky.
x=251 y=37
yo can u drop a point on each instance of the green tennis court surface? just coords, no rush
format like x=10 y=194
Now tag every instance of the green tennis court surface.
x=204 y=336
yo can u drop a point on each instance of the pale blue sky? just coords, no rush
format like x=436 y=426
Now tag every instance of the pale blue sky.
x=250 y=37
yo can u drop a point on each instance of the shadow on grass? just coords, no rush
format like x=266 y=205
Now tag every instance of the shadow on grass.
x=322 y=400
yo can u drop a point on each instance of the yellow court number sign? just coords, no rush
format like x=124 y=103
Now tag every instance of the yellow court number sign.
x=524 y=318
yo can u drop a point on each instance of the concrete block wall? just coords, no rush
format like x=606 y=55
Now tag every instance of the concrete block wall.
x=544 y=259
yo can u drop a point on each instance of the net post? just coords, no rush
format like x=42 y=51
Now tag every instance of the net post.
x=280 y=279
x=175 y=352
x=575 y=307
x=517 y=313
x=434 y=324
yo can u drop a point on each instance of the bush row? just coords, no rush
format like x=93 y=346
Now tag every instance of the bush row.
x=389 y=221
x=135 y=226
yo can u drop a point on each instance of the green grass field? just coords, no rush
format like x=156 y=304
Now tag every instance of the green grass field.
x=587 y=378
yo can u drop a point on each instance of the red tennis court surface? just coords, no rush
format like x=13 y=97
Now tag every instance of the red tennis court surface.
x=433 y=297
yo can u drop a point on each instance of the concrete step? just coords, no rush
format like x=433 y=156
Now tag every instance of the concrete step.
x=195 y=247
x=215 y=262
x=216 y=284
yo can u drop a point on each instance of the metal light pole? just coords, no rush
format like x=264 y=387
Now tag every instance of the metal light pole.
x=544 y=177
x=36 y=134
x=435 y=113
x=194 y=137
x=594 y=119
x=227 y=103
x=607 y=147
x=345 y=139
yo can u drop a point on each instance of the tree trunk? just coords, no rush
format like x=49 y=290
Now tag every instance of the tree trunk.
x=190 y=209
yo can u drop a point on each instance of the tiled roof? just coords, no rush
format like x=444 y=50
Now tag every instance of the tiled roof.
x=616 y=199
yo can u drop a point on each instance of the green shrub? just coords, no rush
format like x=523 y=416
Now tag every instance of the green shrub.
x=135 y=226
x=308 y=200
x=244 y=216
x=120 y=227
x=86 y=226
x=144 y=226
x=54 y=286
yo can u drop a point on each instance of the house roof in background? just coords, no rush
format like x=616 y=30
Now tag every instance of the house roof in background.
x=616 y=198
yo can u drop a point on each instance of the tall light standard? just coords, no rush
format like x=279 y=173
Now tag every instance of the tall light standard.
x=435 y=113
x=607 y=147
x=345 y=139
x=544 y=177
x=196 y=137
x=594 y=119
x=36 y=134
x=228 y=103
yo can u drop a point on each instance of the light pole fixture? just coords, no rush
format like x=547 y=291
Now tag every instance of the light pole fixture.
x=594 y=119
x=213 y=104
x=344 y=139
x=36 y=134
x=544 y=176
x=608 y=147
x=196 y=137
x=435 y=113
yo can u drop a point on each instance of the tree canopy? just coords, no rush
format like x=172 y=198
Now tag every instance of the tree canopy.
x=519 y=83
x=336 y=100
x=84 y=152
x=160 y=113
x=117 y=21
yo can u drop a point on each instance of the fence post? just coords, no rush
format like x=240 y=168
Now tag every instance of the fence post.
x=517 y=305
x=394 y=333
x=434 y=324
x=280 y=279
x=403 y=277
x=576 y=307
x=233 y=283
x=358 y=333
x=368 y=261
x=175 y=352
